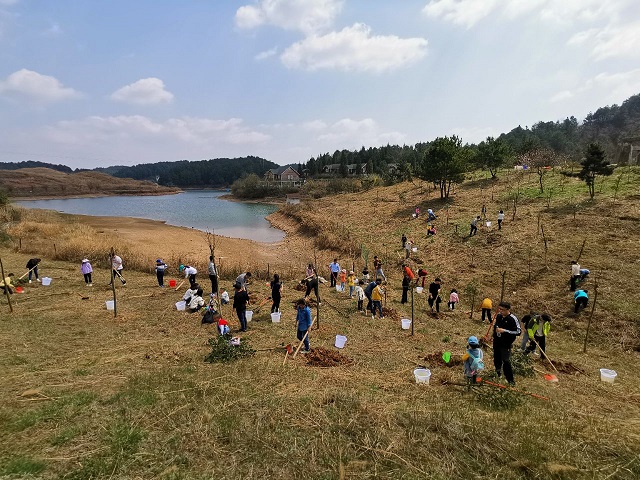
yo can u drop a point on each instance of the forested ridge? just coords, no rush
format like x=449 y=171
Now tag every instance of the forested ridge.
x=219 y=172
x=609 y=126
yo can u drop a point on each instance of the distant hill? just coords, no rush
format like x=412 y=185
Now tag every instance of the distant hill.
x=45 y=182
x=33 y=164
x=219 y=172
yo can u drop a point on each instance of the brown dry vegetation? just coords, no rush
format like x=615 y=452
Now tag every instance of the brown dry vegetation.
x=45 y=182
x=87 y=395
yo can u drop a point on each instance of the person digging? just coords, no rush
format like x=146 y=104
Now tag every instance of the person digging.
x=303 y=323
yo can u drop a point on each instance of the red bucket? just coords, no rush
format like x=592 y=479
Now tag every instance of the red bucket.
x=172 y=283
x=19 y=290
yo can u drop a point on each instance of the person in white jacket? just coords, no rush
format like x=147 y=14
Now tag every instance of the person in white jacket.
x=190 y=273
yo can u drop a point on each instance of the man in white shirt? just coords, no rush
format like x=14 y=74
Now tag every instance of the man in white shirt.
x=190 y=273
x=116 y=265
x=575 y=274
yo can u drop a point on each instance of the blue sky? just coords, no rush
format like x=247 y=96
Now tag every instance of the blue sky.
x=96 y=83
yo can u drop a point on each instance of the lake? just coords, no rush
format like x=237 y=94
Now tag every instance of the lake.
x=201 y=209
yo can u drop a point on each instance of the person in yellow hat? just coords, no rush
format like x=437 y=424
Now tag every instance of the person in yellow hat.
x=6 y=284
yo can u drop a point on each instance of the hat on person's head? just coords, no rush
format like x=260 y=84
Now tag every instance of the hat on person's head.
x=473 y=340
x=351 y=272
x=181 y=267
x=85 y=260
x=159 y=260
x=505 y=305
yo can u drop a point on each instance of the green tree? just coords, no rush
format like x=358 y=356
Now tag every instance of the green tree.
x=445 y=162
x=492 y=154
x=594 y=164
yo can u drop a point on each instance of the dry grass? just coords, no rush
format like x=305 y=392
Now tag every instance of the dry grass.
x=130 y=397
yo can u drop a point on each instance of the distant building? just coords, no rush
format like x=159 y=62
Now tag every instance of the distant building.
x=283 y=176
x=294 y=198
x=352 y=169
x=629 y=151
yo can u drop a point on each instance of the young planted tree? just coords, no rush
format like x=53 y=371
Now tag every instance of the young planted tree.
x=492 y=154
x=541 y=160
x=445 y=162
x=594 y=164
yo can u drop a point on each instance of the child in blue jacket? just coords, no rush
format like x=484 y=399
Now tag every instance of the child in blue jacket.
x=473 y=360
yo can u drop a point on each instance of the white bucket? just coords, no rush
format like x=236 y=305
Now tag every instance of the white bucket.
x=339 y=288
x=422 y=375
x=275 y=317
x=414 y=249
x=248 y=315
x=109 y=303
x=488 y=224
x=419 y=289
x=181 y=305
x=46 y=281
x=607 y=375
x=406 y=323
x=340 y=341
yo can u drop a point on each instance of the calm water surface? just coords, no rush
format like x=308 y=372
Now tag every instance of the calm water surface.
x=201 y=209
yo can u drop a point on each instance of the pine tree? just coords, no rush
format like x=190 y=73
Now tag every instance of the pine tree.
x=594 y=164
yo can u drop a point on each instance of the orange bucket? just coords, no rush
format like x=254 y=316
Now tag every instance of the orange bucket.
x=172 y=283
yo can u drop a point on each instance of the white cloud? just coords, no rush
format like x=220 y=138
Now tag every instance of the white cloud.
x=7 y=3
x=307 y=16
x=314 y=125
x=266 y=54
x=580 y=38
x=36 y=87
x=474 y=134
x=53 y=31
x=561 y=96
x=138 y=128
x=467 y=13
x=354 y=49
x=609 y=87
x=461 y=12
x=621 y=41
x=146 y=91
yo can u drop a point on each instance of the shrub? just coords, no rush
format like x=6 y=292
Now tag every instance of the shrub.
x=222 y=351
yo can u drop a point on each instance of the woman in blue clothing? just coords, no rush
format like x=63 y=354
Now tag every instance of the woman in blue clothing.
x=303 y=323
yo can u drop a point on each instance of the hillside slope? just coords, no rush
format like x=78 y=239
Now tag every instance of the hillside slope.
x=85 y=394
x=45 y=182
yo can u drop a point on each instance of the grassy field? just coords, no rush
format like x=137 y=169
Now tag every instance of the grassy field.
x=86 y=395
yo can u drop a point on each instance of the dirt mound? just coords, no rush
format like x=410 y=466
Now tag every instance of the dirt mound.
x=563 y=367
x=436 y=358
x=321 y=357
x=390 y=313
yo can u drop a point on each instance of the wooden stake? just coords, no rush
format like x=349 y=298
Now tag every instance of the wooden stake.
x=581 y=250
x=6 y=288
x=504 y=274
x=113 y=282
x=593 y=308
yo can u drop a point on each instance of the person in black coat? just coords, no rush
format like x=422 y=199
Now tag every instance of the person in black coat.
x=32 y=265
x=506 y=328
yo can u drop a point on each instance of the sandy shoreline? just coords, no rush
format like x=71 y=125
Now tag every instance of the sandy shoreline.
x=90 y=195
x=168 y=241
